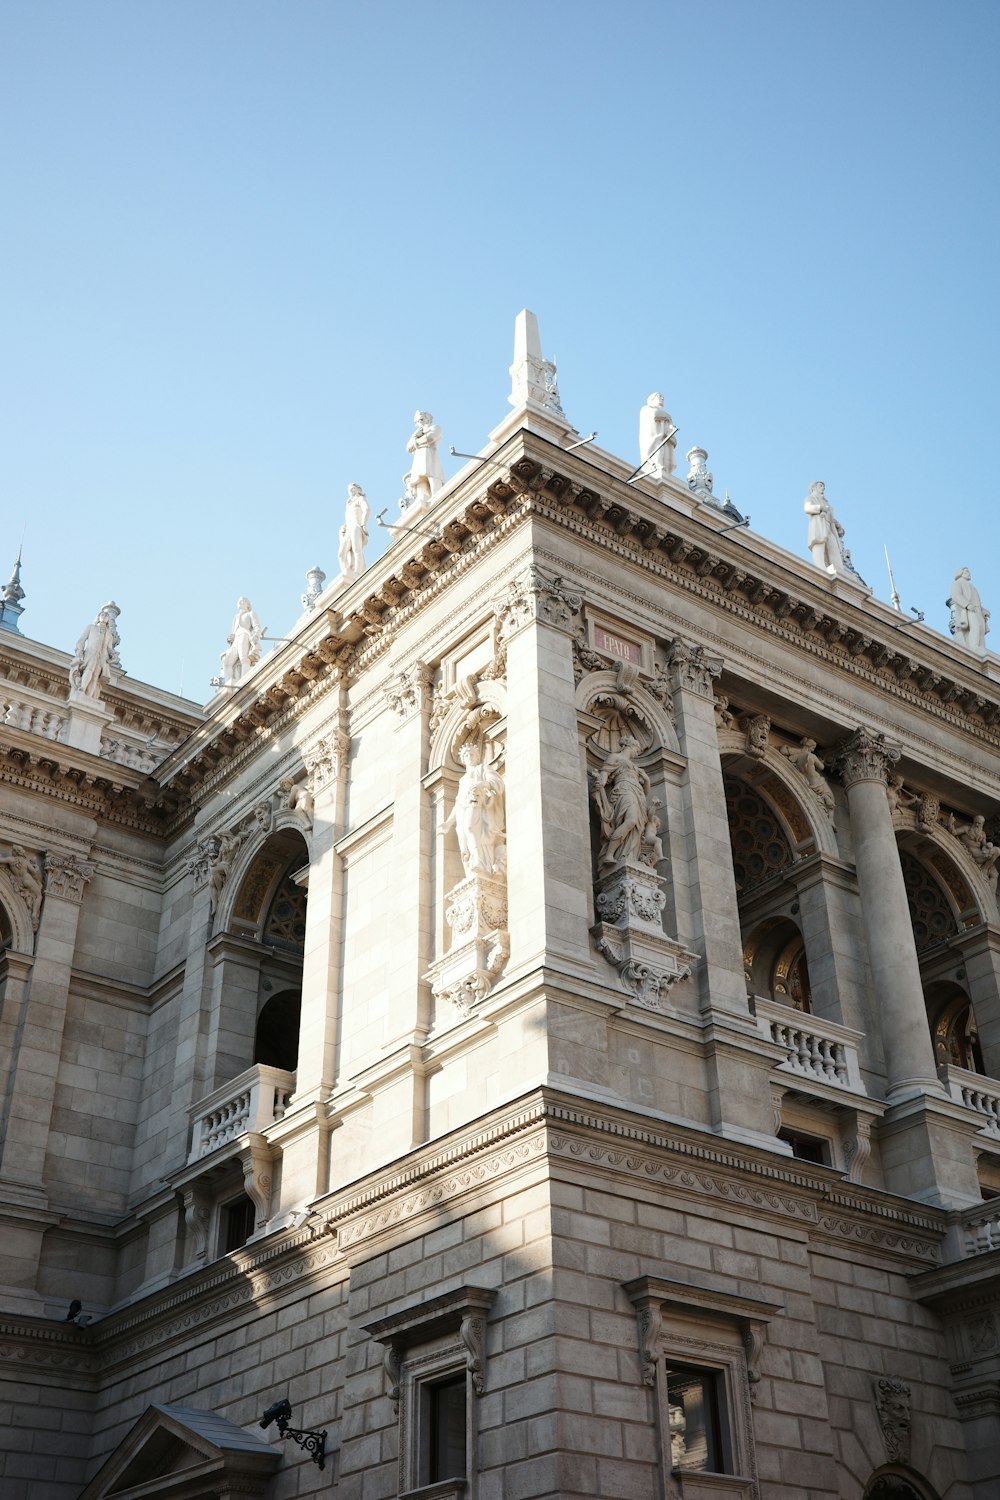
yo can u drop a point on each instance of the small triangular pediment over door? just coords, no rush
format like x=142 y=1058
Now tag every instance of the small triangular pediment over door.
x=181 y=1453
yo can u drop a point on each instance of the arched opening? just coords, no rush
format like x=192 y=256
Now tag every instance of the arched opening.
x=761 y=849
x=936 y=923
x=276 y=1041
x=6 y=930
x=897 y=1482
x=953 y=1026
x=774 y=958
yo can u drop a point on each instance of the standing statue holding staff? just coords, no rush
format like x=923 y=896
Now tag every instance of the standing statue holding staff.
x=354 y=533
x=243 y=650
x=96 y=654
x=656 y=444
x=969 y=619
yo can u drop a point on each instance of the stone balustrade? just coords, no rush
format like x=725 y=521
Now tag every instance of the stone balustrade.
x=138 y=755
x=819 y=1051
x=975 y=1092
x=246 y=1105
x=979 y=1227
x=33 y=718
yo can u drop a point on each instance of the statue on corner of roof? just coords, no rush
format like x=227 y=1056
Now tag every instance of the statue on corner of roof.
x=96 y=655
x=242 y=651
x=968 y=623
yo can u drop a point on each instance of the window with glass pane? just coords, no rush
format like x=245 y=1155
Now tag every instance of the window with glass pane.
x=445 y=1407
x=694 y=1401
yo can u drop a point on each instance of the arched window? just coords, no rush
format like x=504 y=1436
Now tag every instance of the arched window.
x=760 y=846
x=276 y=1042
x=931 y=915
x=953 y=1026
x=775 y=960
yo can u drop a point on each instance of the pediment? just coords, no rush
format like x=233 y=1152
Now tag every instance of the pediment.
x=186 y=1454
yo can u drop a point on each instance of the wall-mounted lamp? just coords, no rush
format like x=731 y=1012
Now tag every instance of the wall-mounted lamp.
x=313 y=1442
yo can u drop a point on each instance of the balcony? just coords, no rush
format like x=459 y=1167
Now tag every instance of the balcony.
x=818 y=1052
x=975 y=1092
x=247 y=1105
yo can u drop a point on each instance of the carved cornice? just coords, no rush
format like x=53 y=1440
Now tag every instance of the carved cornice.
x=119 y=796
x=47 y=1347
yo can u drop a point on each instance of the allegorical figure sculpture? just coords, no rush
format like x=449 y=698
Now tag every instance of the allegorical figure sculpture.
x=620 y=791
x=354 y=532
x=805 y=760
x=985 y=853
x=26 y=879
x=425 y=475
x=226 y=850
x=656 y=445
x=825 y=532
x=968 y=622
x=478 y=814
x=243 y=649
x=96 y=654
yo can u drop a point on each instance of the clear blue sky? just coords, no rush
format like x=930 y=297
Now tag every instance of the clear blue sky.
x=242 y=242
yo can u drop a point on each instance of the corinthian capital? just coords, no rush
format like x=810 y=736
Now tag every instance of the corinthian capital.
x=66 y=875
x=865 y=757
x=693 y=668
x=533 y=595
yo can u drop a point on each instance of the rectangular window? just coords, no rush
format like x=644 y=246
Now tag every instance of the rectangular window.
x=443 y=1441
x=807 y=1147
x=237 y=1224
x=696 y=1407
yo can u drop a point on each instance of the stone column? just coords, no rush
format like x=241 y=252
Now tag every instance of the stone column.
x=190 y=1081
x=864 y=762
x=708 y=877
x=548 y=821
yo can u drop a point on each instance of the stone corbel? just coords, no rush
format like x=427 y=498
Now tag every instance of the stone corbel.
x=392 y=1366
x=473 y=1336
x=197 y=1217
x=255 y=1159
x=460 y=1314
x=66 y=875
x=858 y=1148
x=650 y=1320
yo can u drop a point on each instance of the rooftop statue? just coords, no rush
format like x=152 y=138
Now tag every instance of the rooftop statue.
x=825 y=538
x=243 y=650
x=315 y=580
x=968 y=623
x=426 y=475
x=656 y=441
x=354 y=533
x=96 y=655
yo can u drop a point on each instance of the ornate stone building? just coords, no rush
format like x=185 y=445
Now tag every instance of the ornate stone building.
x=536 y=1033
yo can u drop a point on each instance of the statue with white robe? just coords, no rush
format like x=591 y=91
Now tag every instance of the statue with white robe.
x=968 y=623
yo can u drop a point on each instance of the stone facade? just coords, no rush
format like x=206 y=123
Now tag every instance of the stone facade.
x=543 y=1021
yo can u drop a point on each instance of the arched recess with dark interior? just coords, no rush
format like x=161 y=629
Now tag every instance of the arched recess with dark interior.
x=942 y=910
x=264 y=943
x=898 y=1482
x=769 y=835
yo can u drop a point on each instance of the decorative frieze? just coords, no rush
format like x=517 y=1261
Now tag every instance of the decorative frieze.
x=66 y=875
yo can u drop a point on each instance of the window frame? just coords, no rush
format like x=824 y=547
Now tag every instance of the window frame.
x=720 y=1334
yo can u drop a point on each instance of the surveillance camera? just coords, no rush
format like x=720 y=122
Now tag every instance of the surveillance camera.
x=278 y=1411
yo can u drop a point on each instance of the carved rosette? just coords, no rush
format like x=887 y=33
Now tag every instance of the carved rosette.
x=326 y=759
x=892 y=1406
x=66 y=875
x=476 y=913
x=409 y=690
x=533 y=595
x=865 y=757
x=693 y=669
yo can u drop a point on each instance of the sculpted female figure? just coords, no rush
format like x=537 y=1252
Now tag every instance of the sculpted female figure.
x=243 y=651
x=478 y=814
x=620 y=792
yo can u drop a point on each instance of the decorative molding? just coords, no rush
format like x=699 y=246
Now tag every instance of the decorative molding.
x=693 y=669
x=463 y=1312
x=533 y=595
x=326 y=759
x=410 y=689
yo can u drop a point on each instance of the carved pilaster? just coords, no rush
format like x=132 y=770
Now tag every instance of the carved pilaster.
x=865 y=757
x=66 y=875
x=533 y=595
x=409 y=690
x=892 y=1406
x=693 y=669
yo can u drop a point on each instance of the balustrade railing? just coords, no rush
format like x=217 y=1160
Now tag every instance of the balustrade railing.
x=818 y=1051
x=34 y=718
x=250 y=1103
x=975 y=1092
x=979 y=1227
